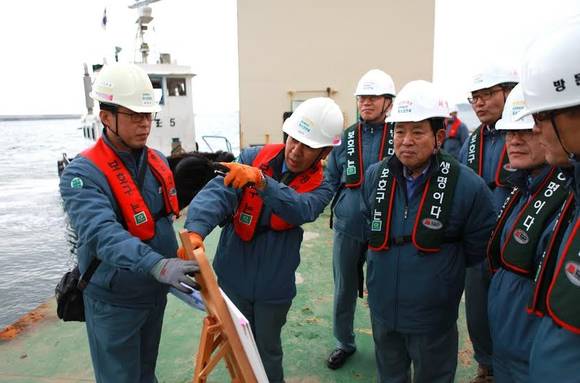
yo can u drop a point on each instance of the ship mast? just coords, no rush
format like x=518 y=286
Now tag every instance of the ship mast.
x=142 y=48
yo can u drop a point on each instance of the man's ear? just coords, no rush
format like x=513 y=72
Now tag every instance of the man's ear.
x=440 y=137
x=390 y=107
x=325 y=152
x=106 y=117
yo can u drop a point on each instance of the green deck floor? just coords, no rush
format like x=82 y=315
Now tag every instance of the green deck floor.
x=54 y=351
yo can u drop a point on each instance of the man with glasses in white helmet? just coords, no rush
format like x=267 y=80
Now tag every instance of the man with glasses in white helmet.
x=262 y=201
x=428 y=218
x=485 y=153
x=121 y=200
x=551 y=86
x=364 y=143
x=519 y=240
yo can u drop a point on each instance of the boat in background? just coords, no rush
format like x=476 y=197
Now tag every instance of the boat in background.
x=173 y=129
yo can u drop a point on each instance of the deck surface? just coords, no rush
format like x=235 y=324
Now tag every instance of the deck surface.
x=43 y=349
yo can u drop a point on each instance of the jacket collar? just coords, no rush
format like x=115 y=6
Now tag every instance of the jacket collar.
x=396 y=166
x=524 y=180
x=133 y=157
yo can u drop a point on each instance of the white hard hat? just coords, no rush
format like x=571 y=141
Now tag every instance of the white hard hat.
x=514 y=105
x=126 y=85
x=550 y=72
x=375 y=83
x=491 y=75
x=317 y=122
x=418 y=101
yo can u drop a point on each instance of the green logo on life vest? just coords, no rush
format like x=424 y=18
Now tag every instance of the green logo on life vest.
x=76 y=183
x=376 y=225
x=246 y=219
x=350 y=170
x=140 y=218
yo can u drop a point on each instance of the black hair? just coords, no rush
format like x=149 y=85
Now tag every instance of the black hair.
x=437 y=123
x=109 y=107
x=508 y=85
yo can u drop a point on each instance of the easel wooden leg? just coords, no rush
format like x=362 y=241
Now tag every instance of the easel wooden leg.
x=211 y=340
x=220 y=337
x=204 y=350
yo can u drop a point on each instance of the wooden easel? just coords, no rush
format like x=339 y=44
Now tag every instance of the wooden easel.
x=219 y=338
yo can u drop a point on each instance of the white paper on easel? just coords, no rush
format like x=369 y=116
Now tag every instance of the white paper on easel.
x=244 y=331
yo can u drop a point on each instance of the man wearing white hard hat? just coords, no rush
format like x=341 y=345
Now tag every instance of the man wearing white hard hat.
x=262 y=201
x=519 y=240
x=455 y=134
x=485 y=153
x=121 y=200
x=551 y=86
x=429 y=217
x=367 y=141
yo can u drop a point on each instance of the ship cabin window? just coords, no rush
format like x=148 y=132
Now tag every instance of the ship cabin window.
x=158 y=89
x=176 y=87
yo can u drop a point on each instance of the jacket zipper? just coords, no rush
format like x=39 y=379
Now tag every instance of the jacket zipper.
x=405 y=215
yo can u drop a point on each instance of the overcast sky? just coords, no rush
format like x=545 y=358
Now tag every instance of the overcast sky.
x=471 y=33
x=44 y=44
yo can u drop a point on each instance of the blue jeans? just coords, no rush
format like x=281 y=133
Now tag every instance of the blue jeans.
x=124 y=341
x=434 y=356
x=347 y=252
x=266 y=321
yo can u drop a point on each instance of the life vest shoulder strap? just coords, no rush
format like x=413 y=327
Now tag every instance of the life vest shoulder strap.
x=454 y=128
x=250 y=206
x=136 y=214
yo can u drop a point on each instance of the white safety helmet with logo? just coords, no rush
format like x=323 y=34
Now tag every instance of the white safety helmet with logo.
x=514 y=106
x=491 y=75
x=551 y=71
x=375 y=83
x=126 y=85
x=317 y=122
x=418 y=101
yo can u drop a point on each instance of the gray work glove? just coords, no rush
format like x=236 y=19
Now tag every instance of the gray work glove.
x=176 y=272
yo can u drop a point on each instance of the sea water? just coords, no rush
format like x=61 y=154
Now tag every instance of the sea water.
x=34 y=242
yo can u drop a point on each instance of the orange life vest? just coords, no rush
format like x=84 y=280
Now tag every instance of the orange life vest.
x=454 y=128
x=250 y=206
x=138 y=218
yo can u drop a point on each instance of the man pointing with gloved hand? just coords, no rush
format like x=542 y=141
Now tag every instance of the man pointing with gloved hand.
x=241 y=175
x=262 y=201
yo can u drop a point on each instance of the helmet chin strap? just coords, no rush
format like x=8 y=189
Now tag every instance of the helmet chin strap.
x=571 y=156
x=436 y=146
x=116 y=131
x=383 y=110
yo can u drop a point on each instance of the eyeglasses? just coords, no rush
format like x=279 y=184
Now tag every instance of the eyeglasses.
x=138 y=117
x=548 y=114
x=362 y=99
x=483 y=95
x=541 y=116
x=510 y=134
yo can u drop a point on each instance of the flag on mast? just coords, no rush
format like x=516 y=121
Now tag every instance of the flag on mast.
x=104 y=21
